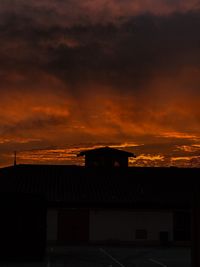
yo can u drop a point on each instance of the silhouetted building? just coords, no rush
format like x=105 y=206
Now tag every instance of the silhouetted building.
x=114 y=205
x=22 y=226
x=106 y=157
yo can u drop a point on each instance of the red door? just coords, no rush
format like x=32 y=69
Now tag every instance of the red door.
x=73 y=226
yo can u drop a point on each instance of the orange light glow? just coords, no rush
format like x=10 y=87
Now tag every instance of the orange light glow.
x=104 y=72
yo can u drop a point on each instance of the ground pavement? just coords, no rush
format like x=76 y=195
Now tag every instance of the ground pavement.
x=110 y=257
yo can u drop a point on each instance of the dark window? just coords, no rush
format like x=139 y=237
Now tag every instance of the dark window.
x=141 y=234
x=182 y=226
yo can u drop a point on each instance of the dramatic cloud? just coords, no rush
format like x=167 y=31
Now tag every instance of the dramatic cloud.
x=108 y=71
x=69 y=12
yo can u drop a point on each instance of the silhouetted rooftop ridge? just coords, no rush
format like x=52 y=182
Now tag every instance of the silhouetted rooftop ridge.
x=106 y=151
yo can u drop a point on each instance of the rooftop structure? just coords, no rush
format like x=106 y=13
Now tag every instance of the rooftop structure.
x=106 y=157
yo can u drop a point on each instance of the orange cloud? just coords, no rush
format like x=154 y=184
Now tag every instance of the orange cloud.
x=189 y=148
x=103 y=71
x=103 y=114
x=150 y=160
x=187 y=161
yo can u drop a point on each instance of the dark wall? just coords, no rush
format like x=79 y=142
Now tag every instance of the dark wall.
x=22 y=227
x=182 y=226
x=106 y=161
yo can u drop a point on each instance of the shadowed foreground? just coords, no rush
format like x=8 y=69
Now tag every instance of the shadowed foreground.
x=111 y=256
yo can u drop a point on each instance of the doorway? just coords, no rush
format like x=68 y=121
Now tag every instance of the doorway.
x=73 y=226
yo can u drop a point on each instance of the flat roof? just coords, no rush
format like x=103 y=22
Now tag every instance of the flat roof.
x=98 y=187
x=106 y=151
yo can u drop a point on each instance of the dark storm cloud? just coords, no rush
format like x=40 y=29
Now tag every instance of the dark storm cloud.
x=130 y=55
x=101 y=70
x=126 y=55
x=38 y=122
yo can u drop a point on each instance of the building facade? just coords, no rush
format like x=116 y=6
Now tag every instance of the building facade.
x=108 y=206
x=101 y=226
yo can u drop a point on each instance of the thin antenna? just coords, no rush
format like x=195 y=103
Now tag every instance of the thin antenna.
x=15 y=158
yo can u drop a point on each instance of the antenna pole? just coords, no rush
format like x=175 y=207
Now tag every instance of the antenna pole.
x=15 y=158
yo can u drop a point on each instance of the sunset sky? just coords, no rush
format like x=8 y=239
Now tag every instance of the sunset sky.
x=80 y=74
